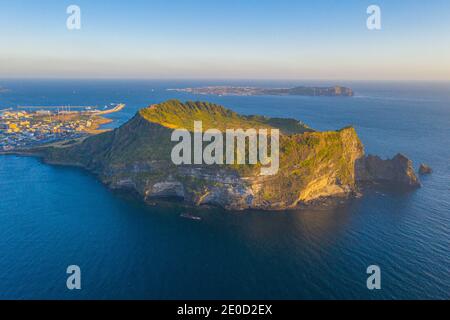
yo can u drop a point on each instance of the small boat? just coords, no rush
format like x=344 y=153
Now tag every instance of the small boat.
x=190 y=216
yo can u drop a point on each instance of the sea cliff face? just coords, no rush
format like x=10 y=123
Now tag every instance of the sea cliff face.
x=313 y=165
x=397 y=171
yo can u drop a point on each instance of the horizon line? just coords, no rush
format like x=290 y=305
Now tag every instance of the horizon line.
x=218 y=79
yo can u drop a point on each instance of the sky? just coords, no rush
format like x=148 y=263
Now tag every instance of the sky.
x=226 y=39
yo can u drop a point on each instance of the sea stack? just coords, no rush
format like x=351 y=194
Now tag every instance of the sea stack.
x=398 y=171
x=425 y=169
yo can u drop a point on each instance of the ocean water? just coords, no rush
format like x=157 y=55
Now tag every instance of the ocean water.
x=52 y=217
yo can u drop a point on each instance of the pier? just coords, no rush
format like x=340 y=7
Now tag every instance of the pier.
x=117 y=108
x=68 y=109
x=62 y=108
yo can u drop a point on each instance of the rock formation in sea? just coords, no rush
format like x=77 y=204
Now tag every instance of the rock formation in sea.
x=397 y=171
x=425 y=169
x=313 y=165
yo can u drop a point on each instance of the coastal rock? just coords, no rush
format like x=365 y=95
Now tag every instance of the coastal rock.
x=425 y=169
x=165 y=189
x=397 y=171
x=124 y=184
x=313 y=165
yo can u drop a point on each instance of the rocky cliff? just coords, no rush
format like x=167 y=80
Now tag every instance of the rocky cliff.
x=397 y=171
x=313 y=165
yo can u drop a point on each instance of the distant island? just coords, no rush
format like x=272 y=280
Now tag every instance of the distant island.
x=4 y=90
x=314 y=166
x=336 y=91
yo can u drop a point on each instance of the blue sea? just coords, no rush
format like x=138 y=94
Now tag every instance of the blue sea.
x=52 y=216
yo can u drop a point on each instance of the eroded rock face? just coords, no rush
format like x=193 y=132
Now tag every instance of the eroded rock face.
x=165 y=189
x=397 y=171
x=313 y=166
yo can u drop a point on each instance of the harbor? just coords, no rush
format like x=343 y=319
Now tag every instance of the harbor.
x=30 y=126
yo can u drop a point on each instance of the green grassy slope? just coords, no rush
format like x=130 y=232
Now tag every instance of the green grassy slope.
x=311 y=163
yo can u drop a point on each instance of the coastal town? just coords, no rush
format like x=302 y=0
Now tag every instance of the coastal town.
x=26 y=127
